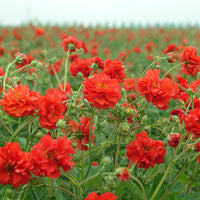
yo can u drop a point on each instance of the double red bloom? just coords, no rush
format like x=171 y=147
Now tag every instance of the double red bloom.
x=20 y=101
x=49 y=155
x=52 y=108
x=192 y=122
x=15 y=167
x=192 y=65
x=81 y=65
x=146 y=152
x=102 y=91
x=114 y=69
x=158 y=91
x=72 y=43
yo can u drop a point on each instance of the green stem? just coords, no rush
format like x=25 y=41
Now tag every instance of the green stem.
x=6 y=75
x=24 y=124
x=166 y=172
x=171 y=185
x=59 y=188
x=6 y=127
x=104 y=145
x=134 y=102
x=117 y=154
x=72 y=179
x=171 y=69
x=186 y=149
x=86 y=180
x=151 y=177
x=57 y=77
x=66 y=70
x=9 y=123
x=142 y=187
x=149 y=66
x=18 y=70
x=25 y=193
x=50 y=189
x=78 y=92
x=90 y=145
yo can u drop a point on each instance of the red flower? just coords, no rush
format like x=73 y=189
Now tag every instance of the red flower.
x=171 y=48
x=108 y=196
x=57 y=66
x=178 y=112
x=49 y=155
x=71 y=43
x=150 y=46
x=95 y=163
x=105 y=196
x=99 y=61
x=158 y=91
x=146 y=152
x=93 y=196
x=189 y=55
x=130 y=84
x=52 y=108
x=174 y=140
x=192 y=122
x=15 y=167
x=124 y=175
x=20 y=101
x=84 y=128
x=81 y=65
x=102 y=91
x=39 y=32
x=114 y=69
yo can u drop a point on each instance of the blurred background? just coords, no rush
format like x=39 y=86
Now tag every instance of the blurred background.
x=103 y=12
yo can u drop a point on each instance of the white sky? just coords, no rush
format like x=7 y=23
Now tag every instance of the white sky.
x=15 y=12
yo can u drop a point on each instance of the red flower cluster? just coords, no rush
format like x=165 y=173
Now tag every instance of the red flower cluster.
x=102 y=91
x=81 y=65
x=171 y=48
x=192 y=65
x=105 y=196
x=158 y=91
x=20 y=101
x=49 y=155
x=72 y=43
x=192 y=122
x=15 y=167
x=146 y=152
x=52 y=108
x=84 y=128
x=114 y=69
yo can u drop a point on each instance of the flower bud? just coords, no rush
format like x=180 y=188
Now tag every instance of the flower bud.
x=34 y=63
x=131 y=98
x=171 y=58
x=61 y=124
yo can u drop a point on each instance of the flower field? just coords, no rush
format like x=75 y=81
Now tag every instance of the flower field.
x=96 y=113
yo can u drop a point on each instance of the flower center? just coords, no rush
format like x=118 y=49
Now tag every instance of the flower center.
x=102 y=85
x=50 y=154
x=9 y=168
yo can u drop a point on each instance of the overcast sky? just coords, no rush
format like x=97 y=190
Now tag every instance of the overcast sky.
x=15 y=12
